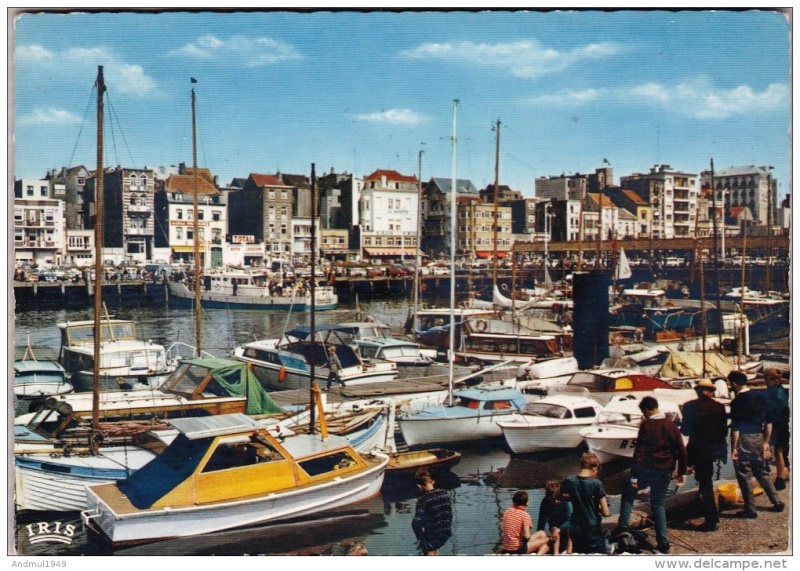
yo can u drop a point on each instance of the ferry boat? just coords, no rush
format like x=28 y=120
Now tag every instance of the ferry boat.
x=249 y=288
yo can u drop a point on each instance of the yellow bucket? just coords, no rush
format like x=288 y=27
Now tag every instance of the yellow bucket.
x=730 y=492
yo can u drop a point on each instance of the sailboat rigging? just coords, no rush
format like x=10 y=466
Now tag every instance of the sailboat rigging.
x=196 y=229
x=453 y=241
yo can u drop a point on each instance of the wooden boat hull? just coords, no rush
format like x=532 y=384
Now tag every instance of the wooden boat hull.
x=430 y=460
x=122 y=528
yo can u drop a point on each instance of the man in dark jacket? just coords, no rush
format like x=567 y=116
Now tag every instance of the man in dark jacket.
x=659 y=447
x=705 y=422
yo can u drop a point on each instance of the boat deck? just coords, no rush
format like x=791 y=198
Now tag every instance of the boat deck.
x=418 y=381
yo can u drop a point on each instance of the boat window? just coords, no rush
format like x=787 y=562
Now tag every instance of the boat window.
x=590 y=381
x=585 y=412
x=231 y=455
x=467 y=403
x=624 y=384
x=186 y=379
x=497 y=405
x=547 y=410
x=329 y=463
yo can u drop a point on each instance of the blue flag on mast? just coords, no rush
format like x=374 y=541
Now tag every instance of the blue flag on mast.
x=193 y=80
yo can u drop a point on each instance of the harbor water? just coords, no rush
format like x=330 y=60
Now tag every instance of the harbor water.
x=481 y=484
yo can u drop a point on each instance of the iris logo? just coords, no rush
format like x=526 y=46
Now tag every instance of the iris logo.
x=50 y=532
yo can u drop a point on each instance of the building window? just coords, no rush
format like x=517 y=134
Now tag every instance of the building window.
x=179 y=214
x=284 y=196
x=283 y=212
x=179 y=233
x=200 y=214
x=43 y=191
x=29 y=189
x=271 y=195
x=189 y=214
x=189 y=234
x=216 y=215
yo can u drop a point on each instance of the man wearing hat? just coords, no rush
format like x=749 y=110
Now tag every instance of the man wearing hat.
x=750 y=435
x=705 y=422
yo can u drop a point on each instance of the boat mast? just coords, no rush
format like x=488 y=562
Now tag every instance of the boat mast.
x=453 y=240
x=741 y=299
x=196 y=222
x=704 y=322
x=419 y=242
x=313 y=323
x=98 y=259
x=716 y=260
x=496 y=198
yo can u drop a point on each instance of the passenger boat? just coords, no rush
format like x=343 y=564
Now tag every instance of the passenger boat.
x=285 y=364
x=473 y=415
x=186 y=490
x=553 y=422
x=613 y=435
x=123 y=355
x=431 y=460
x=250 y=288
x=37 y=373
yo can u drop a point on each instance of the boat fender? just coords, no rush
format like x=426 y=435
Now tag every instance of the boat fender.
x=481 y=325
x=282 y=375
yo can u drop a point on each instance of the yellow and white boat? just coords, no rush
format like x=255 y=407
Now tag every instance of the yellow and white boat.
x=228 y=471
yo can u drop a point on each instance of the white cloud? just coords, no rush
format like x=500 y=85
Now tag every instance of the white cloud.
x=527 y=59
x=394 y=116
x=239 y=50
x=700 y=99
x=49 y=116
x=568 y=97
x=127 y=78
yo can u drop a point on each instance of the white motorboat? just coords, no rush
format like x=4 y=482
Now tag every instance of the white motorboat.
x=285 y=364
x=123 y=355
x=553 y=422
x=613 y=435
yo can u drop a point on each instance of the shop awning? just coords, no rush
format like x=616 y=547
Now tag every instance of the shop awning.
x=482 y=255
x=186 y=249
x=501 y=254
x=392 y=252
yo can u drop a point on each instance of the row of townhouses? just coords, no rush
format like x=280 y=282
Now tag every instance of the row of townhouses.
x=153 y=213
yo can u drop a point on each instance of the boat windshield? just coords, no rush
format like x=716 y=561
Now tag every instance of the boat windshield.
x=547 y=410
x=591 y=381
x=81 y=334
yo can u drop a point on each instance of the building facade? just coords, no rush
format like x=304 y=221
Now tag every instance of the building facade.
x=388 y=215
x=38 y=224
x=674 y=197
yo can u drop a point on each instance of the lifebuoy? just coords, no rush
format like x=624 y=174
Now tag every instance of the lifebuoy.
x=504 y=287
x=282 y=375
x=481 y=325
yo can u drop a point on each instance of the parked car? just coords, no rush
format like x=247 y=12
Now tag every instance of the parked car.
x=374 y=272
x=397 y=272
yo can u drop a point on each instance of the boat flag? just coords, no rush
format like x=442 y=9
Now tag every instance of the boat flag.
x=193 y=80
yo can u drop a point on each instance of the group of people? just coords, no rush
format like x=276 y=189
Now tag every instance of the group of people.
x=572 y=511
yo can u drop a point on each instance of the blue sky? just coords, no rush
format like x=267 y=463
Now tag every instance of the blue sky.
x=356 y=92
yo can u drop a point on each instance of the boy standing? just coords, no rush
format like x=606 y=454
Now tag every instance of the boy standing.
x=433 y=518
x=589 y=506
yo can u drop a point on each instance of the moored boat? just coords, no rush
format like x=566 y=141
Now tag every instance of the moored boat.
x=553 y=422
x=185 y=491
x=431 y=460
x=250 y=288
x=37 y=374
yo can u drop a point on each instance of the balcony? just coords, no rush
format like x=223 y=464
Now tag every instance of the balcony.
x=139 y=210
x=139 y=232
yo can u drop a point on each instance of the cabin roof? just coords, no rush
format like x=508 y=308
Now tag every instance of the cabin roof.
x=216 y=425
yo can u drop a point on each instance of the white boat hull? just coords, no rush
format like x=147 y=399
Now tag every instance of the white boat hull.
x=36 y=390
x=295 y=379
x=523 y=438
x=611 y=443
x=58 y=483
x=154 y=525
x=421 y=430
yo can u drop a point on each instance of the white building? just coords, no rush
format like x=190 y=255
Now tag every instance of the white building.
x=388 y=214
x=38 y=224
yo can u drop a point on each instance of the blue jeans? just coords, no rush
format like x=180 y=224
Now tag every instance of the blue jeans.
x=657 y=481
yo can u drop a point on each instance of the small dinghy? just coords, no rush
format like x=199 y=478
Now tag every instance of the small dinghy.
x=430 y=460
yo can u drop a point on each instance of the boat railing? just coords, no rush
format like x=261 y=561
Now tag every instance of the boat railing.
x=176 y=352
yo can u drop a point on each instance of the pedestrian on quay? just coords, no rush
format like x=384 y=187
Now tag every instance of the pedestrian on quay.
x=659 y=448
x=778 y=399
x=516 y=530
x=554 y=515
x=750 y=435
x=705 y=422
x=335 y=366
x=433 y=517
x=589 y=506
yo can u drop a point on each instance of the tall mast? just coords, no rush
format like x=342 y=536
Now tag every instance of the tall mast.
x=419 y=243
x=198 y=331
x=313 y=291
x=721 y=322
x=496 y=199
x=453 y=240
x=98 y=257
